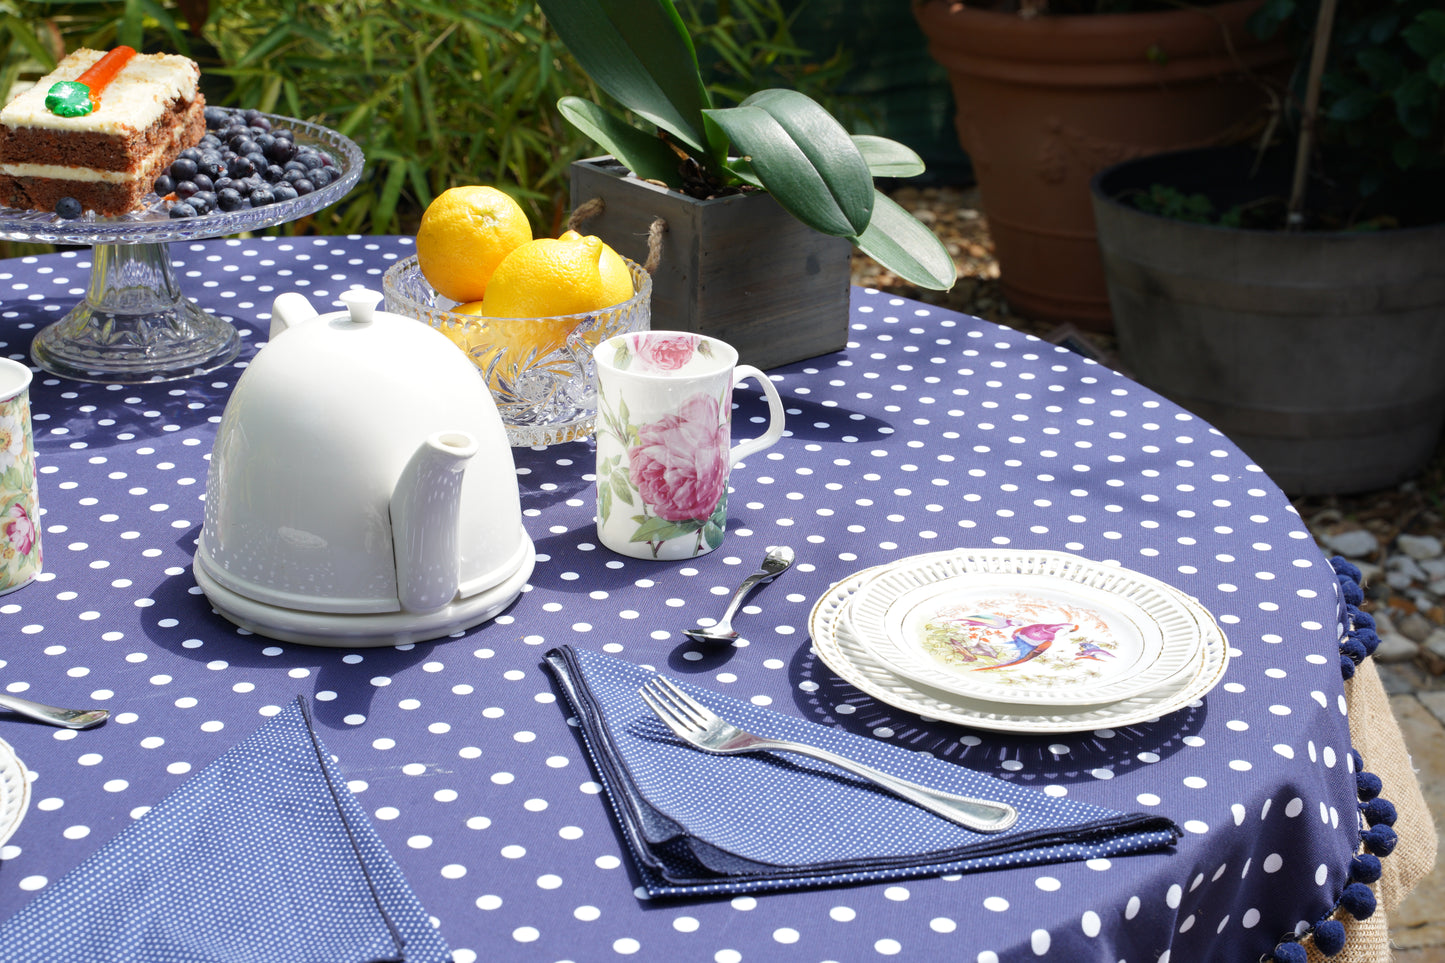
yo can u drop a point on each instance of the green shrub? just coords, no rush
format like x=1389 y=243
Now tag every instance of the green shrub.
x=436 y=94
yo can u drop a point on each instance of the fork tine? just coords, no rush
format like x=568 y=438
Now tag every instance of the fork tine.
x=694 y=709
x=668 y=698
x=663 y=712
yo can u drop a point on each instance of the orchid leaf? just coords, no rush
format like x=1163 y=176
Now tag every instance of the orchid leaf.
x=639 y=52
x=903 y=245
x=638 y=150
x=888 y=158
x=804 y=158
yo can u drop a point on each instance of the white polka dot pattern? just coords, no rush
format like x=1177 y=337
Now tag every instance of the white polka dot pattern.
x=930 y=431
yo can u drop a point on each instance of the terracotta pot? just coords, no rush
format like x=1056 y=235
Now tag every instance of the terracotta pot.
x=1046 y=102
x=738 y=268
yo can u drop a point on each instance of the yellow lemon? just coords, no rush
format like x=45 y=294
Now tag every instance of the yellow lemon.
x=547 y=277
x=616 y=277
x=464 y=234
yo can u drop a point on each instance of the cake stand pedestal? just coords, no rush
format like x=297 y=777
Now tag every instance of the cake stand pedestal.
x=135 y=324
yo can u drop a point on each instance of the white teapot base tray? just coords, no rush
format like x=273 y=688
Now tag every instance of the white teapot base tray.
x=358 y=631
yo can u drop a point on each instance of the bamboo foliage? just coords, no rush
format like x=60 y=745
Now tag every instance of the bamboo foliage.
x=437 y=93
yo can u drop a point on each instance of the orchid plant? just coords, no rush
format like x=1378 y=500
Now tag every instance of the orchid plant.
x=777 y=140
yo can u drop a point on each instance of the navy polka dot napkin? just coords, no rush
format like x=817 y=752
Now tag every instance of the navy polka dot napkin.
x=263 y=855
x=700 y=824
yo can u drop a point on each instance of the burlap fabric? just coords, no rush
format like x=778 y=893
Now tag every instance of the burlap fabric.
x=1377 y=736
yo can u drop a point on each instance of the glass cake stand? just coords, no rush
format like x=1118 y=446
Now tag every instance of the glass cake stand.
x=135 y=324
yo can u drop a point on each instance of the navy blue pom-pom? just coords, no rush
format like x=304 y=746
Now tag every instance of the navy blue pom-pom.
x=1351 y=591
x=1361 y=619
x=1290 y=953
x=1344 y=566
x=1347 y=666
x=1359 y=900
x=1367 y=638
x=1357 y=761
x=1329 y=936
x=1353 y=649
x=1379 y=812
x=1368 y=785
x=1365 y=868
x=1379 y=840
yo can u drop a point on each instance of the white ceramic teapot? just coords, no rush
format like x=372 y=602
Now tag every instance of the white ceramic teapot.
x=361 y=489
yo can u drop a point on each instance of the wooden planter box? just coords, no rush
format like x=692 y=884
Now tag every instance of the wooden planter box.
x=736 y=268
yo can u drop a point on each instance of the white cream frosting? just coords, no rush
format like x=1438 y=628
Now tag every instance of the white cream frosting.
x=86 y=174
x=135 y=99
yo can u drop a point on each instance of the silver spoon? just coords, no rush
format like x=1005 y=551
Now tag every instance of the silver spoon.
x=67 y=718
x=775 y=563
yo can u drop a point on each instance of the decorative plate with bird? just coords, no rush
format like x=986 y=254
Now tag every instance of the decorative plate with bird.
x=1037 y=633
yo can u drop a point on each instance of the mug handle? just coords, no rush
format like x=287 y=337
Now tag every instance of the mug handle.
x=775 y=415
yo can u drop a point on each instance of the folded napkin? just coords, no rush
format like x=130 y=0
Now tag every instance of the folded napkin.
x=263 y=855
x=701 y=824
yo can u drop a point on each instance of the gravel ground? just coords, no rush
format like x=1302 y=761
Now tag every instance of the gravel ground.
x=1414 y=508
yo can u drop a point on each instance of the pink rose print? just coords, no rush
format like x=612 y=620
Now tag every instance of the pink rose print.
x=666 y=353
x=679 y=464
x=18 y=528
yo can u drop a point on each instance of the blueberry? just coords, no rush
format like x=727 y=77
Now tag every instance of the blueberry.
x=185 y=189
x=311 y=159
x=258 y=159
x=190 y=153
x=321 y=176
x=203 y=182
x=183 y=168
x=262 y=196
x=182 y=209
x=280 y=150
x=303 y=186
x=295 y=165
x=273 y=173
x=250 y=115
x=229 y=199
x=217 y=117
x=241 y=167
x=164 y=185
x=285 y=192
x=202 y=201
x=221 y=183
x=68 y=208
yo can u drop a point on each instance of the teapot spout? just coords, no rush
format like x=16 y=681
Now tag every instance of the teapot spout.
x=425 y=515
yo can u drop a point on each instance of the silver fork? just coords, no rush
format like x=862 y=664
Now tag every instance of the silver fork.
x=699 y=726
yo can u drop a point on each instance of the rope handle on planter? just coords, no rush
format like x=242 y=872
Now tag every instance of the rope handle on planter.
x=589 y=209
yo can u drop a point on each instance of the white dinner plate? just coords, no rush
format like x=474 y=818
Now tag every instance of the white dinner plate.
x=14 y=791
x=840 y=650
x=1025 y=627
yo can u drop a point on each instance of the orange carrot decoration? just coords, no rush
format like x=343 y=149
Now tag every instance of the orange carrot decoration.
x=78 y=97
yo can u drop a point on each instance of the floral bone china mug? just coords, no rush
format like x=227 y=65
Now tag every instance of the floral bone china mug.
x=19 y=505
x=664 y=424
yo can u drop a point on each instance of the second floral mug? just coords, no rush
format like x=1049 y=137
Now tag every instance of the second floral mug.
x=664 y=441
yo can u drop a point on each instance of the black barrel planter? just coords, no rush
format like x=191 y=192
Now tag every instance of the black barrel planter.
x=1321 y=354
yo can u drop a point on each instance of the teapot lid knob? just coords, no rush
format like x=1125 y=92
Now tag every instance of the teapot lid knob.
x=361 y=303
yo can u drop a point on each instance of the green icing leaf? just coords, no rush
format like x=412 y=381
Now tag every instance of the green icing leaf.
x=67 y=98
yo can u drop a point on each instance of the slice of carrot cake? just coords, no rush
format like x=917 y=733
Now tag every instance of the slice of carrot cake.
x=99 y=128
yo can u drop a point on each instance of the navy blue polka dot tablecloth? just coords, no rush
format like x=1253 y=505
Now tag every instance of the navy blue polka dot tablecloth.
x=930 y=431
